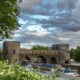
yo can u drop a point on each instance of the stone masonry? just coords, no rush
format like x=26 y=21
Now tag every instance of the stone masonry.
x=59 y=54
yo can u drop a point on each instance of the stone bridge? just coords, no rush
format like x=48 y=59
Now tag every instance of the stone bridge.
x=47 y=56
x=59 y=54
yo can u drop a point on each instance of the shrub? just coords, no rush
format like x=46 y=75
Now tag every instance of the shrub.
x=16 y=72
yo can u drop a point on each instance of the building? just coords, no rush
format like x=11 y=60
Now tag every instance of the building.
x=59 y=53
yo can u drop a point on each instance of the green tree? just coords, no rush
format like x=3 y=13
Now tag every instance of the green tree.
x=1 y=56
x=37 y=47
x=72 y=53
x=75 y=54
x=9 y=11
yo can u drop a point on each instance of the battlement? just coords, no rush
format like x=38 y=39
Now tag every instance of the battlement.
x=61 y=47
x=59 y=53
x=11 y=50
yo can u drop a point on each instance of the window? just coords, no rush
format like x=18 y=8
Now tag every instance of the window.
x=13 y=51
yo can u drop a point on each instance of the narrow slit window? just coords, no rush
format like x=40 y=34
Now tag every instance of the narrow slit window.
x=13 y=51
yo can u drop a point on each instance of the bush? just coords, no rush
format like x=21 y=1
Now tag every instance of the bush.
x=1 y=56
x=16 y=72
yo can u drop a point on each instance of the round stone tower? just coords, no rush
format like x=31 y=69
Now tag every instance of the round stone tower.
x=11 y=51
x=63 y=53
x=61 y=47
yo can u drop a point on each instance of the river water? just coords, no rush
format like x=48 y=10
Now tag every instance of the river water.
x=62 y=76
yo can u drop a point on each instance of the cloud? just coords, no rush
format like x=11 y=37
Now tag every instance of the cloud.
x=48 y=22
x=29 y=38
x=59 y=21
x=59 y=13
x=29 y=4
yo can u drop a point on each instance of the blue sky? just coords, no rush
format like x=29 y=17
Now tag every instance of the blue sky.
x=48 y=22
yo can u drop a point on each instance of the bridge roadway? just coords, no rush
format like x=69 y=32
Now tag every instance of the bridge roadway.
x=46 y=55
x=39 y=52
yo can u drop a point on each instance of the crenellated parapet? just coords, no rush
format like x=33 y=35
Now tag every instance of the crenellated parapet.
x=59 y=53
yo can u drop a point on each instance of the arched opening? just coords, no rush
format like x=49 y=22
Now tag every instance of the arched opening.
x=41 y=59
x=53 y=60
x=25 y=61
x=27 y=58
x=66 y=62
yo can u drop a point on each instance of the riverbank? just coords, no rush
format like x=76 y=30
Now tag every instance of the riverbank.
x=62 y=75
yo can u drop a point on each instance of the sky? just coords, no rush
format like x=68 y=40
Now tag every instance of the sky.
x=48 y=22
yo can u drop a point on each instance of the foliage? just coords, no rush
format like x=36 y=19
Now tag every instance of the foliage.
x=72 y=53
x=75 y=54
x=37 y=47
x=15 y=72
x=9 y=11
x=1 y=55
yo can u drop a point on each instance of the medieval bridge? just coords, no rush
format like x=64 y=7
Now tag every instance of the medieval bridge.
x=59 y=54
x=44 y=56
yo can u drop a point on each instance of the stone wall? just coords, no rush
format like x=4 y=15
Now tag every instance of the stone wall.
x=33 y=54
x=59 y=53
x=11 y=50
x=63 y=47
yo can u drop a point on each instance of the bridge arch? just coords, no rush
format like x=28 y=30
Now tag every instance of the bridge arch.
x=67 y=61
x=41 y=59
x=25 y=60
x=53 y=60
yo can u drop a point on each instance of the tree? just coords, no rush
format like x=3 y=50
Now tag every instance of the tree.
x=37 y=47
x=75 y=54
x=1 y=56
x=9 y=11
x=72 y=53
